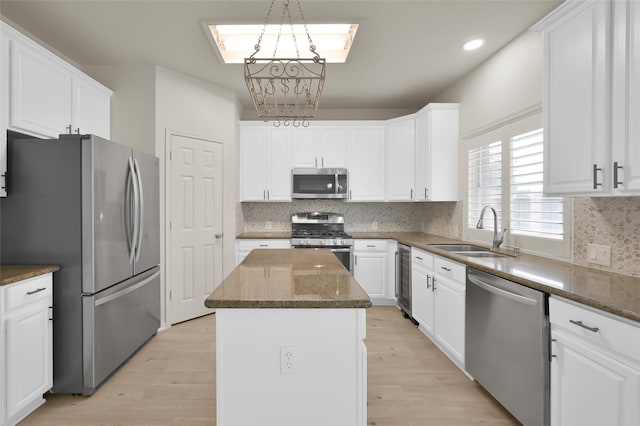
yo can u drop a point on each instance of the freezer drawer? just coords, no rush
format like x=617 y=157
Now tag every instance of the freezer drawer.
x=117 y=322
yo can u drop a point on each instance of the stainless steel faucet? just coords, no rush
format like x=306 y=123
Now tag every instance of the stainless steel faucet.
x=496 y=241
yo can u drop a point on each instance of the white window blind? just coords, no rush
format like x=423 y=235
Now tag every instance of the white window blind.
x=485 y=183
x=531 y=213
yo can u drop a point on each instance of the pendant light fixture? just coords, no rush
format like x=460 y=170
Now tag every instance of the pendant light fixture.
x=285 y=90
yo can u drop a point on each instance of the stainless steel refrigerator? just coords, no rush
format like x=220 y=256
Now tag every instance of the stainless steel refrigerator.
x=91 y=206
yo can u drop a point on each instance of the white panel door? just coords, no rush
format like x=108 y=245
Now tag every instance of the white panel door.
x=196 y=224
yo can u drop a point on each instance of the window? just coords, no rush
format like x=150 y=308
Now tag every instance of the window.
x=505 y=172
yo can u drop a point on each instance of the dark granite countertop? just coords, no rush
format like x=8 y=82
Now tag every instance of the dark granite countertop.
x=289 y=278
x=10 y=274
x=614 y=293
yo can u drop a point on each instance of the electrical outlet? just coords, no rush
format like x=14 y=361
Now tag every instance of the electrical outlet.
x=374 y=226
x=268 y=226
x=599 y=254
x=288 y=360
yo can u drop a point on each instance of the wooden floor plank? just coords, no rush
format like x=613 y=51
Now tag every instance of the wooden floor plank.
x=171 y=381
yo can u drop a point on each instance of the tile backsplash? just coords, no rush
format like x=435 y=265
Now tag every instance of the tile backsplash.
x=611 y=221
x=359 y=217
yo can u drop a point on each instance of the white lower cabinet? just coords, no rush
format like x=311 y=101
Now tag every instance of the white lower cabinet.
x=27 y=334
x=438 y=289
x=244 y=247
x=370 y=263
x=595 y=367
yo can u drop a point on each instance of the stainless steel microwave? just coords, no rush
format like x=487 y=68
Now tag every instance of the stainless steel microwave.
x=319 y=183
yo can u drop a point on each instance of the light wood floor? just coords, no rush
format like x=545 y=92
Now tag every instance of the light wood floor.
x=171 y=381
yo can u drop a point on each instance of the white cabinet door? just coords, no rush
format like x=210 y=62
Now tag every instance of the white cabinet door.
x=4 y=108
x=366 y=163
x=29 y=357
x=304 y=147
x=370 y=270
x=590 y=386
x=91 y=108
x=625 y=146
x=422 y=299
x=436 y=153
x=278 y=165
x=40 y=92
x=400 y=159
x=576 y=101
x=253 y=165
x=332 y=147
x=449 y=316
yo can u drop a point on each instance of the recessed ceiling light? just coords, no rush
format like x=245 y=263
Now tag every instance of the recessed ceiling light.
x=236 y=42
x=473 y=44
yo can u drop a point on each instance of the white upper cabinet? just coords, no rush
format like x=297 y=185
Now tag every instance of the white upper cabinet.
x=321 y=145
x=591 y=95
x=625 y=150
x=44 y=96
x=366 y=163
x=436 y=153
x=400 y=146
x=265 y=169
x=40 y=92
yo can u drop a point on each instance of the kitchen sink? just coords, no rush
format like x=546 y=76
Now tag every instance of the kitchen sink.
x=467 y=250
x=458 y=247
x=480 y=254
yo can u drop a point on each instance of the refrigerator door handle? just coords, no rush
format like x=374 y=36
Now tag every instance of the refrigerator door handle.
x=140 y=217
x=136 y=208
x=127 y=211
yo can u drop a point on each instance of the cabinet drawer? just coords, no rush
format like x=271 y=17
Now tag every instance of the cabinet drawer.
x=29 y=291
x=421 y=258
x=249 y=245
x=614 y=334
x=453 y=270
x=370 y=245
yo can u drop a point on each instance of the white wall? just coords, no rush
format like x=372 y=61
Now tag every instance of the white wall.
x=192 y=107
x=132 y=103
x=508 y=82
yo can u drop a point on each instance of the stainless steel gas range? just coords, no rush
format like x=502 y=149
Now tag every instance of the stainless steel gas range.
x=317 y=230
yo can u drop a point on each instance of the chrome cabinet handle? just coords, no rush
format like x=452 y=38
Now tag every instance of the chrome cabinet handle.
x=315 y=162
x=433 y=284
x=581 y=324
x=615 y=175
x=350 y=195
x=355 y=259
x=268 y=196
x=418 y=257
x=425 y=193
x=263 y=245
x=596 y=169
x=445 y=268
x=264 y=194
x=68 y=129
x=38 y=290
x=322 y=161
x=428 y=279
x=411 y=193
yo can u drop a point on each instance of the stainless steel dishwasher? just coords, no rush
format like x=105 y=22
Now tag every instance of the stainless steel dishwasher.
x=507 y=344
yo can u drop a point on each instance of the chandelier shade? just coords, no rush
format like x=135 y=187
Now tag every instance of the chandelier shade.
x=285 y=90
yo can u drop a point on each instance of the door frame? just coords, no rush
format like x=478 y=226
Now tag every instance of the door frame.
x=168 y=204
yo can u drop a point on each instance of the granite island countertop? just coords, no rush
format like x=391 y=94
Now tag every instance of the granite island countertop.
x=289 y=278
x=614 y=293
x=10 y=274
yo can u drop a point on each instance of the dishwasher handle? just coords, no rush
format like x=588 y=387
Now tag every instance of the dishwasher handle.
x=504 y=293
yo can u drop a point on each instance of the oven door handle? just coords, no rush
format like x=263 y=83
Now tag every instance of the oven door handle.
x=340 y=250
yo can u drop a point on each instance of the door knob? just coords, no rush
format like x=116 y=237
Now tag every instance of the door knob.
x=218 y=236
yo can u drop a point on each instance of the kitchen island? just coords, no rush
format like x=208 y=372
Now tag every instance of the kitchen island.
x=290 y=329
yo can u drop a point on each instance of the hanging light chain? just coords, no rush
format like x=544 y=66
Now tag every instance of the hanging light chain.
x=264 y=28
x=312 y=47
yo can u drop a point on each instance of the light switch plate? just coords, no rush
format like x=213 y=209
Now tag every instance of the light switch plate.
x=599 y=254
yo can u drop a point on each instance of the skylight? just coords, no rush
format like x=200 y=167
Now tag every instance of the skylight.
x=236 y=42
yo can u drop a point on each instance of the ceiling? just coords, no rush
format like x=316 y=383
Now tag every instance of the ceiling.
x=404 y=53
